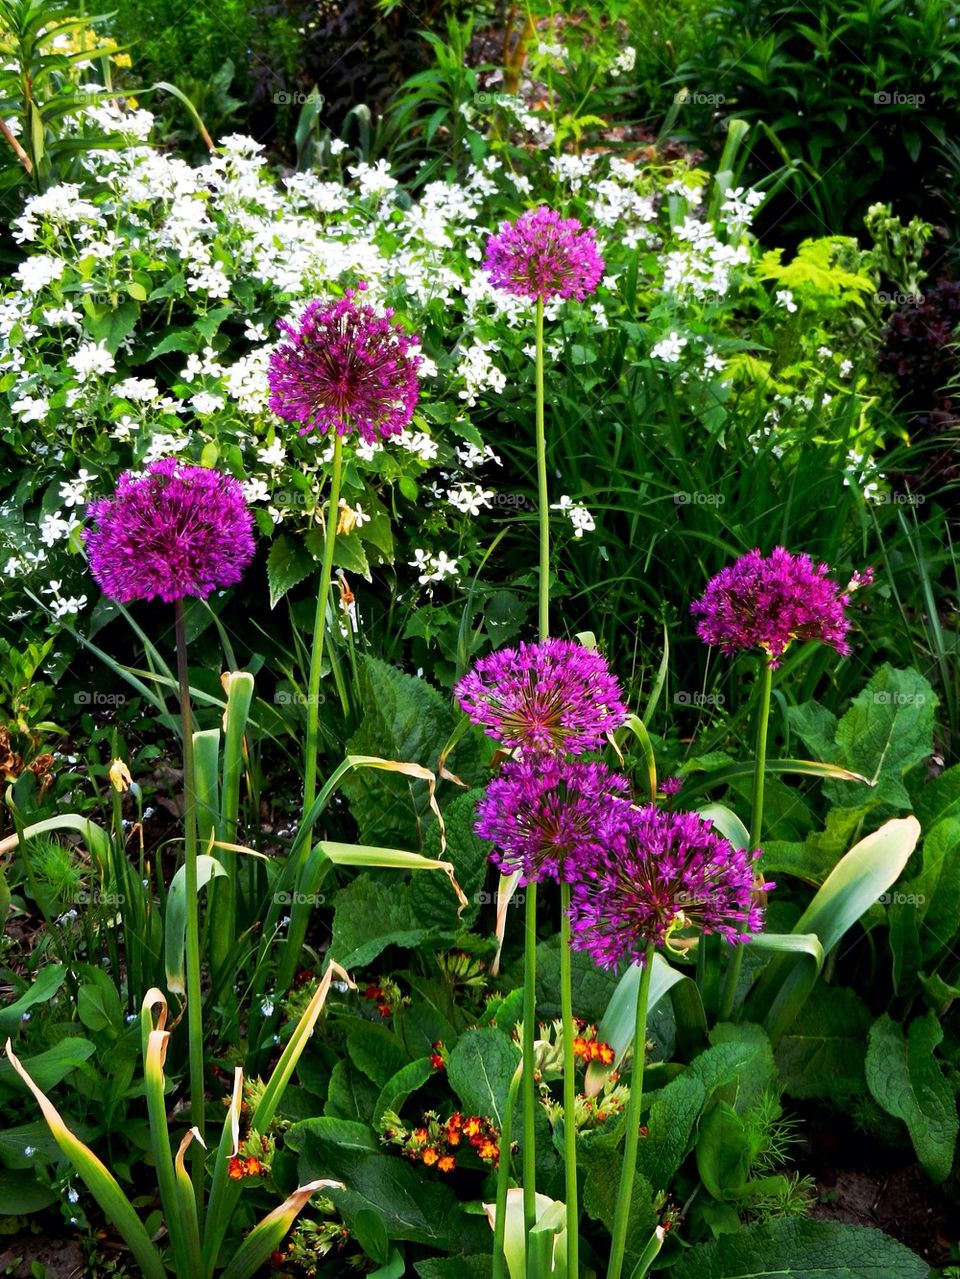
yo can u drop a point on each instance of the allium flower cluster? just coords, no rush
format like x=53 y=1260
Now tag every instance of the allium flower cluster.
x=545 y=815
x=543 y=256
x=538 y=698
x=175 y=531
x=657 y=874
x=767 y=602
x=345 y=367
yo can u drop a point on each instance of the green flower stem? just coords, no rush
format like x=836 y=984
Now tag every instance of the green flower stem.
x=543 y=497
x=320 y=627
x=625 y=1194
x=569 y=1088
x=756 y=826
x=194 y=993
x=529 y=1093
x=503 y=1177
x=530 y=953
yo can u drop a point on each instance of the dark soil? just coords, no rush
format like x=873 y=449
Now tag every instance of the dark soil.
x=866 y=1183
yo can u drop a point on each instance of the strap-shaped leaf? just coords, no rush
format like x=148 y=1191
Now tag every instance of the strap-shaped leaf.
x=264 y=1237
x=175 y=919
x=98 y=1179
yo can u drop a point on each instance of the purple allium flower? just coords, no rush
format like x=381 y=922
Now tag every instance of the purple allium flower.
x=545 y=815
x=659 y=873
x=671 y=786
x=543 y=255
x=556 y=695
x=767 y=602
x=345 y=367
x=177 y=530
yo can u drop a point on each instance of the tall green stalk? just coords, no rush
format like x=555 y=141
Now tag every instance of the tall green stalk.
x=194 y=994
x=320 y=627
x=756 y=825
x=529 y=1091
x=503 y=1178
x=543 y=497
x=569 y=1088
x=621 y=1218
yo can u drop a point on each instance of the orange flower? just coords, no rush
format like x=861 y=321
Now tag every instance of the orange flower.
x=235 y=1169
x=430 y=1156
x=607 y=1055
x=579 y=1046
x=473 y=1126
x=488 y=1149
x=447 y=1163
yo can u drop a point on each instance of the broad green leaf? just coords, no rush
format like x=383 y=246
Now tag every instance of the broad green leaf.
x=433 y=901
x=476 y=1266
x=288 y=563
x=375 y=1051
x=723 y=1152
x=49 y=1067
x=397 y=1089
x=617 y=1026
x=350 y=1096
x=366 y=899
x=403 y=719
x=933 y=801
x=822 y=1053
x=20 y=1196
x=906 y=1079
x=887 y=729
x=48 y=982
x=480 y=1069
x=788 y=1248
x=344 y=1134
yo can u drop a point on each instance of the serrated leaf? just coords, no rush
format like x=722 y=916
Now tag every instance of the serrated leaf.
x=350 y=1095
x=431 y=896
x=375 y=1051
x=364 y=901
x=288 y=563
x=887 y=729
x=112 y=325
x=788 y=1248
x=906 y=1079
x=398 y=1088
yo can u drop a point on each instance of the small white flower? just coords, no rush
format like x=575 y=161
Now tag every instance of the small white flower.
x=845 y=368
x=91 y=359
x=670 y=348
x=785 y=298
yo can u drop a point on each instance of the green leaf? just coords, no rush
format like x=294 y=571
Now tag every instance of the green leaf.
x=670 y=1126
x=477 y=1266
x=375 y=1051
x=404 y=718
x=288 y=563
x=600 y=1191
x=593 y=987
x=112 y=325
x=431 y=897
x=938 y=799
x=409 y=1206
x=342 y=1134
x=887 y=729
x=822 y=1053
x=363 y=901
x=48 y=982
x=20 y=1196
x=398 y=1088
x=479 y=1072
x=49 y=1067
x=723 y=1152
x=788 y=1248
x=350 y=1095
x=906 y=1079
x=175 y=918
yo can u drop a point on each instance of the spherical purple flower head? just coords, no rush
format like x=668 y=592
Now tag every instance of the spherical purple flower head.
x=552 y=696
x=543 y=256
x=175 y=531
x=660 y=873
x=545 y=815
x=767 y=602
x=345 y=367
